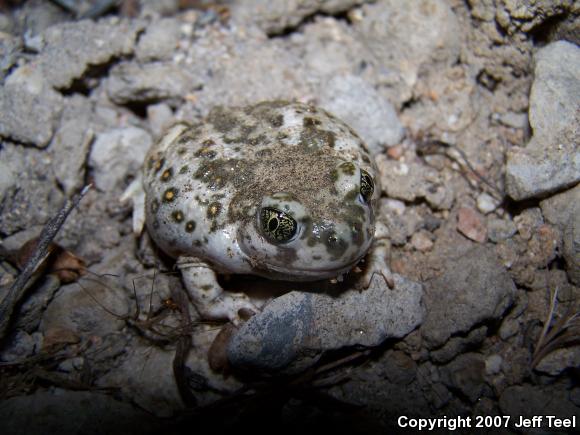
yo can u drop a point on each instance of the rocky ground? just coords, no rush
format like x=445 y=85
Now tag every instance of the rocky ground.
x=471 y=110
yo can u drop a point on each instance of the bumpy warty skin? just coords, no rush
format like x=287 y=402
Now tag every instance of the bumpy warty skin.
x=279 y=189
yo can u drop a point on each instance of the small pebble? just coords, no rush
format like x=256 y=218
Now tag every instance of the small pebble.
x=394 y=206
x=470 y=223
x=500 y=229
x=486 y=203
x=395 y=152
x=493 y=364
x=421 y=241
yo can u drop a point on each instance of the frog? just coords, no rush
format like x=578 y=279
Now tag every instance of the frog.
x=279 y=189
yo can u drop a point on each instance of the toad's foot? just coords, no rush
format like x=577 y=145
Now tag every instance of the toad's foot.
x=376 y=264
x=135 y=194
x=210 y=300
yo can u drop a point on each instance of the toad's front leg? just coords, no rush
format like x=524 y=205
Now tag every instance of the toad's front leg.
x=377 y=264
x=208 y=297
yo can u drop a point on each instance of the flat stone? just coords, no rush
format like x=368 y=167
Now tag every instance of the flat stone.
x=70 y=145
x=160 y=40
x=71 y=48
x=559 y=360
x=359 y=104
x=406 y=181
x=474 y=287
x=294 y=330
x=131 y=82
x=275 y=16
x=403 y=40
x=29 y=108
x=146 y=376
x=31 y=199
x=551 y=160
x=559 y=208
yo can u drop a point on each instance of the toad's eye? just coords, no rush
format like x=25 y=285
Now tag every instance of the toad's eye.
x=277 y=225
x=367 y=186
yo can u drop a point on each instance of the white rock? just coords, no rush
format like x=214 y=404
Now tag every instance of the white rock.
x=116 y=154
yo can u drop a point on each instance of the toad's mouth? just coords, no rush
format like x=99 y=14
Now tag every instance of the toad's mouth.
x=285 y=273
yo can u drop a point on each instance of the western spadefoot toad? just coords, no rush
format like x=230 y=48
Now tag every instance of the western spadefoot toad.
x=279 y=189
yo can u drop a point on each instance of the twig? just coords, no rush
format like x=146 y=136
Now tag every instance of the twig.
x=181 y=353
x=48 y=233
x=565 y=332
x=547 y=323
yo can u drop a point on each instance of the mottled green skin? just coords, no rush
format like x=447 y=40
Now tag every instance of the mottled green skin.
x=206 y=185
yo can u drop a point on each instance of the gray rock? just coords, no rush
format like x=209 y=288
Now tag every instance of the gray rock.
x=150 y=82
x=29 y=109
x=71 y=48
x=406 y=181
x=20 y=345
x=500 y=229
x=159 y=41
x=35 y=195
x=94 y=307
x=72 y=412
x=164 y=8
x=558 y=209
x=402 y=40
x=231 y=80
x=275 y=16
x=294 y=330
x=30 y=311
x=440 y=196
x=474 y=288
x=563 y=211
x=571 y=251
x=509 y=327
x=146 y=376
x=551 y=160
x=559 y=360
x=117 y=153
x=401 y=222
x=7 y=180
x=456 y=345
x=466 y=374
x=9 y=51
x=70 y=145
x=359 y=104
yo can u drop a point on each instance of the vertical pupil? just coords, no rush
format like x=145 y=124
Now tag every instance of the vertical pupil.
x=273 y=224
